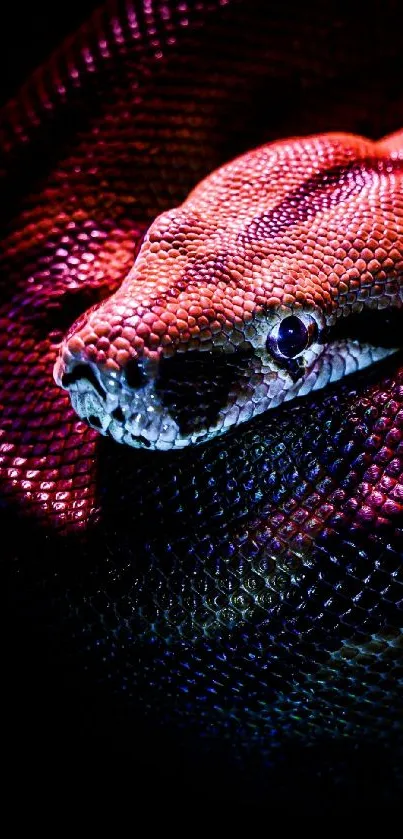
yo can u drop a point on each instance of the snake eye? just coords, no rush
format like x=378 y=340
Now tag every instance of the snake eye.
x=293 y=336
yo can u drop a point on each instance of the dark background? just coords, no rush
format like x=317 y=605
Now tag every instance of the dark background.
x=30 y=32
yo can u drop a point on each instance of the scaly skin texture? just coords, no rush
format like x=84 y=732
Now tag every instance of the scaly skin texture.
x=232 y=611
x=310 y=228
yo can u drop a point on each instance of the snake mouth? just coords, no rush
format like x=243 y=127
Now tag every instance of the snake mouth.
x=180 y=400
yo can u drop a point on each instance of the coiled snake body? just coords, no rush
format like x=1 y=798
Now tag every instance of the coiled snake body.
x=246 y=594
x=257 y=289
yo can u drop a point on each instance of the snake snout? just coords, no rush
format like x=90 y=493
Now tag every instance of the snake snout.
x=123 y=404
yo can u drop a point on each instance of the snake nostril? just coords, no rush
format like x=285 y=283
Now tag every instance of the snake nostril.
x=79 y=372
x=135 y=377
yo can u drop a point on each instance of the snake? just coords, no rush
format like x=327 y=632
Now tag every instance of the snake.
x=278 y=275
x=242 y=597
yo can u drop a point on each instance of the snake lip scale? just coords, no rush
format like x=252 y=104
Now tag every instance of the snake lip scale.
x=234 y=303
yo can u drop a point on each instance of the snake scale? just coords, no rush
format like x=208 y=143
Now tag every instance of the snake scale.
x=242 y=596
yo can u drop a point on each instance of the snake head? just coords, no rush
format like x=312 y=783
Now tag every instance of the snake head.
x=244 y=297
